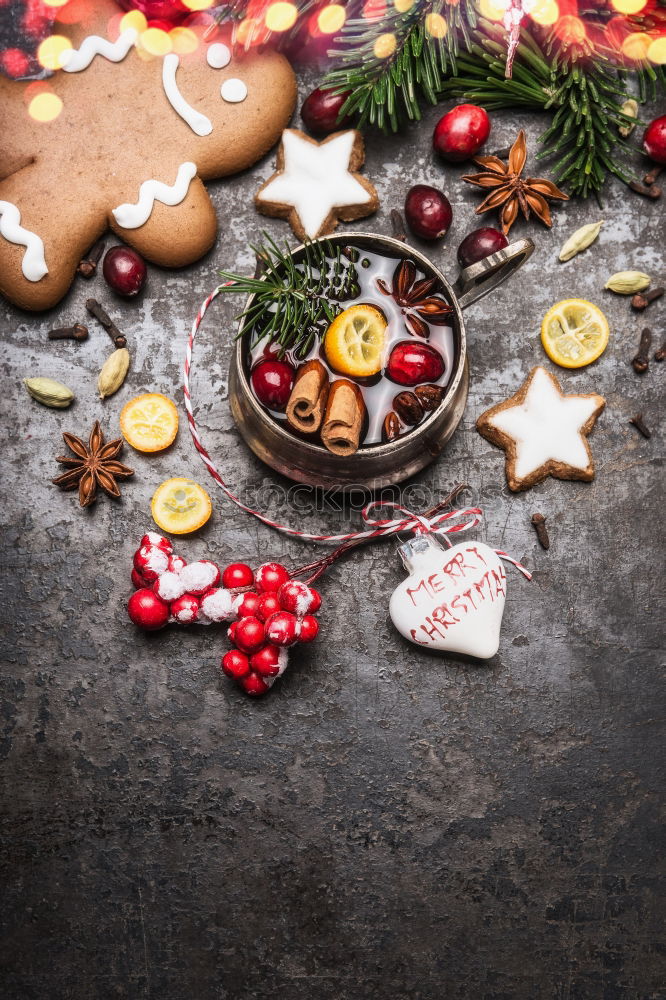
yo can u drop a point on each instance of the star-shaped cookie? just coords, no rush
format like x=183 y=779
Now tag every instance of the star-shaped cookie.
x=543 y=431
x=317 y=184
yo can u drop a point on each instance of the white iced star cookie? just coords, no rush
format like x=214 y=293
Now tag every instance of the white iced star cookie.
x=316 y=183
x=543 y=431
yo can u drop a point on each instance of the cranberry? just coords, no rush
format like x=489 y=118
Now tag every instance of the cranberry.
x=321 y=109
x=147 y=610
x=412 y=363
x=272 y=382
x=461 y=133
x=124 y=271
x=428 y=212
x=654 y=140
x=480 y=243
x=270 y=577
x=249 y=634
x=237 y=575
x=235 y=664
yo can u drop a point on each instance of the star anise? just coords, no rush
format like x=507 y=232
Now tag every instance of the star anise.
x=511 y=191
x=415 y=298
x=93 y=465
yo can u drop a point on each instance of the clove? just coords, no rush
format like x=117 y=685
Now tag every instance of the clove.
x=642 y=300
x=398 y=226
x=95 y=309
x=641 y=362
x=88 y=265
x=660 y=355
x=649 y=192
x=652 y=175
x=76 y=332
x=539 y=522
x=639 y=424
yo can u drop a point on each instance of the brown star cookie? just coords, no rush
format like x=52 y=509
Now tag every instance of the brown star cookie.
x=543 y=431
x=317 y=184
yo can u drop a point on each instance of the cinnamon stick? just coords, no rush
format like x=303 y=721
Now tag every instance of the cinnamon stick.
x=307 y=403
x=343 y=420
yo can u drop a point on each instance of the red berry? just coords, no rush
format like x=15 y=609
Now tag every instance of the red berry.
x=282 y=628
x=169 y=586
x=268 y=605
x=124 y=271
x=249 y=634
x=309 y=628
x=176 y=563
x=217 y=604
x=428 y=212
x=151 y=562
x=479 y=244
x=270 y=577
x=321 y=109
x=296 y=597
x=412 y=363
x=231 y=631
x=147 y=610
x=157 y=541
x=461 y=132
x=235 y=664
x=272 y=382
x=269 y=660
x=185 y=609
x=138 y=580
x=654 y=140
x=198 y=577
x=254 y=685
x=236 y=576
x=247 y=604
x=316 y=601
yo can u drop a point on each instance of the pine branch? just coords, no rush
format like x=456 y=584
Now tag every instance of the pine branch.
x=388 y=89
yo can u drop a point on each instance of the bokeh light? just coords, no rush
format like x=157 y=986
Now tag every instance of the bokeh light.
x=183 y=41
x=133 y=19
x=402 y=6
x=197 y=4
x=544 y=12
x=14 y=62
x=155 y=41
x=385 y=45
x=50 y=51
x=331 y=18
x=246 y=30
x=435 y=25
x=281 y=16
x=45 y=107
x=492 y=10
x=54 y=3
x=570 y=29
x=636 y=46
x=629 y=6
x=657 y=51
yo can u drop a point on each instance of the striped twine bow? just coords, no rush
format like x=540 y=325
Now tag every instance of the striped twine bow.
x=435 y=520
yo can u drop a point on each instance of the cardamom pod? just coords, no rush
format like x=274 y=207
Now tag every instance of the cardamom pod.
x=113 y=372
x=49 y=392
x=580 y=240
x=628 y=282
x=630 y=109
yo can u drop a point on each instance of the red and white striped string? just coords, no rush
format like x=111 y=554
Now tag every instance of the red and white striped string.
x=436 y=520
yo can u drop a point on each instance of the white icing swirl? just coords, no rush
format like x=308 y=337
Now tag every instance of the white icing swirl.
x=234 y=91
x=131 y=216
x=218 y=56
x=74 y=60
x=197 y=122
x=33 y=265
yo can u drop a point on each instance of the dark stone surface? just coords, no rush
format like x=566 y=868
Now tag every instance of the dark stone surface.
x=386 y=823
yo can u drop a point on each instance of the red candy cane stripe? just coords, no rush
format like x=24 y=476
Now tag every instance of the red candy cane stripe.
x=435 y=520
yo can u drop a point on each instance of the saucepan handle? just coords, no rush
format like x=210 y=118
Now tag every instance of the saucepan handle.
x=478 y=279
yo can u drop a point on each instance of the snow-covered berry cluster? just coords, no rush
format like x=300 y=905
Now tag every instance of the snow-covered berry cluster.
x=269 y=611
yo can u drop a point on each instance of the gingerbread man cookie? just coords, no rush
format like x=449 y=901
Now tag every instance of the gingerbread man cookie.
x=130 y=150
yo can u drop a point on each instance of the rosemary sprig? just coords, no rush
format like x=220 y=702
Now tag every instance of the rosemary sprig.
x=292 y=302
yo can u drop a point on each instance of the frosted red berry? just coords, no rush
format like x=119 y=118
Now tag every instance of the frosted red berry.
x=309 y=628
x=282 y=628
x=231 y=631
x=176 y=563
x=235 y=664
x=428 y=212
x=268 y=605
x=200 y=576
x=316 y=601
x=247 y=604
x=461 y=133
x=124 y=271
x=138 y=580
x=185 y=609
x=296 y=597
x=236 y=576
x=267 y=660
x=156 y=540
x=150 y=561
x=254 y=685
x=249 y=634
x=270 y=577
x=412 y=363
x=147 y=610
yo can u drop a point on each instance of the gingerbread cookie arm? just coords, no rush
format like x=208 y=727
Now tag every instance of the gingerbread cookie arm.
x=173 y=235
